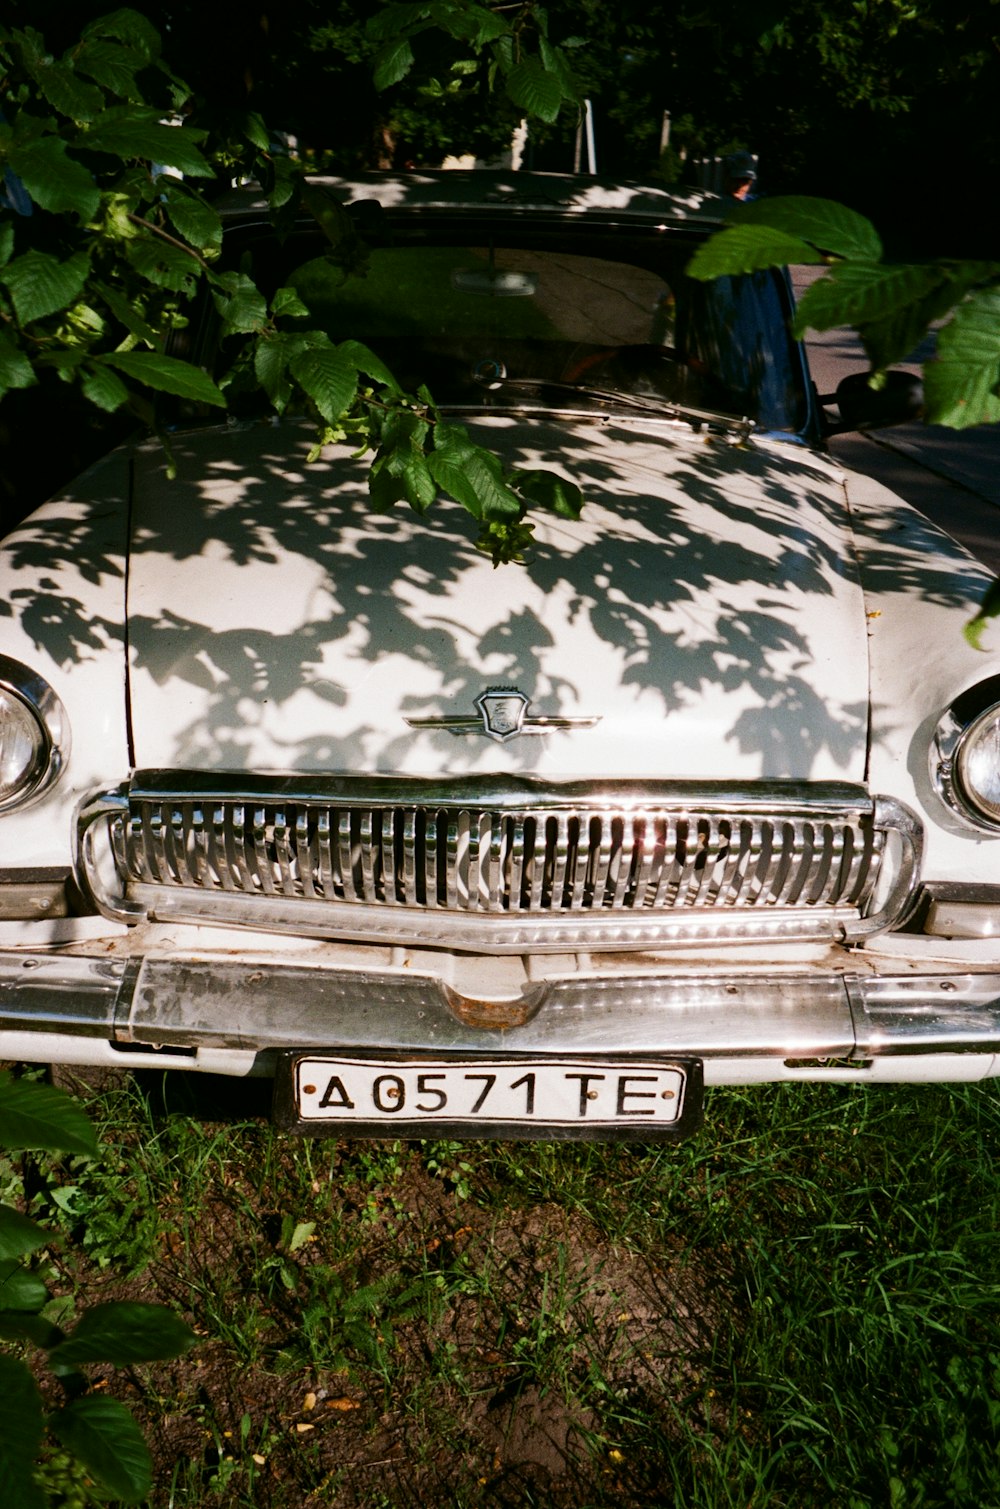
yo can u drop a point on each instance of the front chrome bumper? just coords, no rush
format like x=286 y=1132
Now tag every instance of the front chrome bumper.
x=234 y=1017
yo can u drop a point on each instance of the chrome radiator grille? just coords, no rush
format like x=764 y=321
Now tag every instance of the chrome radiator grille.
x=504 y=866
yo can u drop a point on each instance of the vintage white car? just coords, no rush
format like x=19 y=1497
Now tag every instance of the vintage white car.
x=706 y=792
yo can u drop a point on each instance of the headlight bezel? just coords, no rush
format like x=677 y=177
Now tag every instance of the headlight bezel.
x=957 y=730
x=36 y=697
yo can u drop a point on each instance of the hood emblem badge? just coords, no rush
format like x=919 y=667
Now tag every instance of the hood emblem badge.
x=503 y=715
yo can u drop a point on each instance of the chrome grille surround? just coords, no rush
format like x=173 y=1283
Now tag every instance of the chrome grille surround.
x=502 y=864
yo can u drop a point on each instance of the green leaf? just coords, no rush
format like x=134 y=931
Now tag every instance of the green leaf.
x=112 y=65
x=748 y=248
x=392 y=62
x=106 y=1439
x=195 y=219
x=548 y=490
x=63 y=90
x=21 y=1428
x=6 y=243
x=401 y=474
x=241 y=305
x=828 y=226
x=300 y=1236
x=533 y=89
x=167 y=374
x=163 y=265
x=123 y=1332
x=127 y=314
x=329 y=379
x=104 y=388
x=392 y=19
x=34 y=1115
x=471 y=475
x=472 y=23
x=134 y=131
x=960 y=385
x=255 y=130
x=138 y=34
x=15 y=369
x=54 y=181
x=19 y=1325
x=270 y=362
x=41 y=285
x=989 y=609
x=18 y=1234
x=860 y=293
x=19 y=1289
x=364 y=360
x=286 y=303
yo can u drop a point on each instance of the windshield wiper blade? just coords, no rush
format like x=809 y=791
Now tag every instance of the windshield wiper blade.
x=663 y=408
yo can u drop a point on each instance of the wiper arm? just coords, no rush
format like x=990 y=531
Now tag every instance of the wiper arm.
x=664 y=408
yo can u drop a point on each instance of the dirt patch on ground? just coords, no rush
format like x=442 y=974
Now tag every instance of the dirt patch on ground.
x=493 y=1365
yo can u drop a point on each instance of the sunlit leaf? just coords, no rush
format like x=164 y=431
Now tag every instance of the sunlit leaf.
x=961 y=384
x=330 y=380
x=748 y=248
x=825 y=224
x=392 y=62
x=858 y=293
x=106 y=1439
x=471 y=475
x=534 y=89
x=989 y=609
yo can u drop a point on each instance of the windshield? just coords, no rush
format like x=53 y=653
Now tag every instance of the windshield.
x=524 y=316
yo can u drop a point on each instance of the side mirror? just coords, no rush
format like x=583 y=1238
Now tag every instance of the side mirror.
x=899 y=400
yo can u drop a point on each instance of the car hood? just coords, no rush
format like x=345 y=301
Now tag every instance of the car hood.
x=703 y=619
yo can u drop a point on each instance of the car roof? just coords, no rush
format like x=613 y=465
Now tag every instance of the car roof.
x=485 y=191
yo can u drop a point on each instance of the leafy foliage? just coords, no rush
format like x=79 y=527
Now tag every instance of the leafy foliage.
x=98 y=1432
x=104 y=247
x=890 y=305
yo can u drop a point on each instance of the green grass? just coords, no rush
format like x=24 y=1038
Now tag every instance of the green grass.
x=799 y=1307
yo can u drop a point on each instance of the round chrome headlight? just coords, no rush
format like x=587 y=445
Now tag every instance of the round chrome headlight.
x=965 y=757
x=977 y=765
x=34 y=734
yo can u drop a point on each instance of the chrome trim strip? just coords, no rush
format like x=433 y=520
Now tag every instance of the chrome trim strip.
x=960 y=911
x=202 y=1003
x=943 y=1014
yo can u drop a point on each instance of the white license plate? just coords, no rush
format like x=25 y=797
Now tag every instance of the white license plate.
x=409 y=1097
